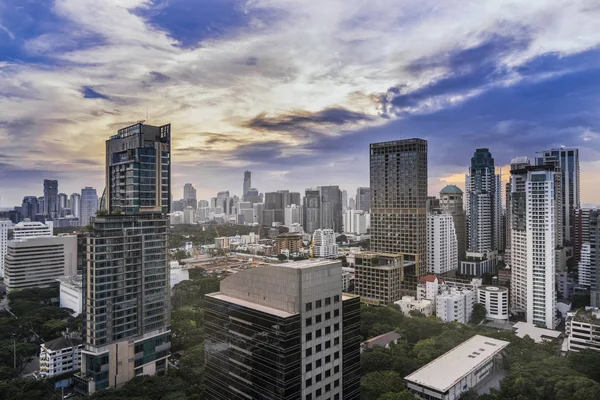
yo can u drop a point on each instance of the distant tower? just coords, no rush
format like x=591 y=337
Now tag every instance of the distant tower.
x=50 y=198
x=189 y=196
x=89 y=205
x=451 y=202
x=247 y=184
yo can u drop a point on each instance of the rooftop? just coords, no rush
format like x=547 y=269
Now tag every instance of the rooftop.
x=75 y=281
x=523 y=329
x=447 y=370
x=309 y=263
x=248 y=304
x=382 y=340
x=63 y=343
x=491 y=288
x=451 y=189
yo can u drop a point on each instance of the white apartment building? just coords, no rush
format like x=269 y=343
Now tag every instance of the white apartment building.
x=409 y=303
x=28 y=229
x=4 y=225
x=189 y=215
x=583 y=329
x=60 y=356
x=455 y=304
x=293 y=214
x=324 y=245
x=428 y=287
x=39 y=261
x=586 y=270
x=356 y=221
x=176 y=218
x=177 y=273
x=442 y=244
x=71 y=293
x=495 y=300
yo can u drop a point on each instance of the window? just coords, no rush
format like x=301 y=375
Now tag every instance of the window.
x=309 y=351
x=327 y=301
x=336 y=298
x=336 y=355
x=327 y=315
x=309 y=395
x=308 y=306
x=336 y=313
x=318 y=392
x=327 y=359
x=309 y=367
x=336 y=383
x=309 y=336
x=318 y=319
x=336 y=327
x=328 y=373
x=318 y=348
x=318 y=333
x=328 y=344
x=308 y=321
x=327 y=330
x=318 y=304
x=328 y=387
x=335 y=397
x=336 y=341
x=336 y=369
x=318 y=363
x=318 y=378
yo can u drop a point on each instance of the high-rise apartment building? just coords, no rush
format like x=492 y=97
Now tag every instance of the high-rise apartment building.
x=356 y=221
x=89 y=205
x=398 y=172
x=585 y=236
x=535 y=198
x=312 y=210
x=363 y=199
x=247 y=185
x=293 y=214
x=63 y=201
x=451 y=203
x=442 y=243
x=344 y=200
x=567 y=159
x=324 y=245
x=29 y=207
x=4 y=225
x=126 y=293
x=283 y=332
x=331 y=208
x=484 y=203
x=50 y=198
x=189 y=196
x=75 y=204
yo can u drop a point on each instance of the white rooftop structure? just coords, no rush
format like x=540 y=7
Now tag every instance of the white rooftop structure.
x=447 y=371
x=29 y=229
x=523 y=329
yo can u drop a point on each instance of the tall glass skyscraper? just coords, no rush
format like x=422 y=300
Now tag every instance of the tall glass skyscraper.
x=247 y=184
x=88 y=204
x=50 y=198
x=126 y=294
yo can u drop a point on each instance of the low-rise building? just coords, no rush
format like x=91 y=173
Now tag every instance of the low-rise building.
x=378 y=277
x=178 y=274
x=468 y=365
x=383 y=340
x=539 y=335
x=495 y=300
x=71 y=293
x=29 y=229
x=583 y=330
x=409 y=303
x=60 y=356
x=290 y=242
x=478 y=264
x=455 y=304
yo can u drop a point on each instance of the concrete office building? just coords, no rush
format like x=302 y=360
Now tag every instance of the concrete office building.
x=312 y=210
x=581 y=329
x=189 y=196
x=89 y=205
x=75 y=204
x=60 y=356
x=63 y=201
x=483 y=192
x=258 y=209
x=535 y=198
x=71 y=293
x=378 y=277
x=247 y=185
x=363 y=199
x=495 y=300
x=567 y=160
x=451 y=203
x=442 y=244
x=455 y=304
x=344 y=200
x=30 y=207
x=465 y=367
x=189 y=215
x=265 y=339
x=293 y=214
x=356 y=221
x=24 y=230
x=331 y=208
x=324 y=245
x=127 y=309
x=4 y=225
x=398 y=176
x=39 y=261
x=50 y=198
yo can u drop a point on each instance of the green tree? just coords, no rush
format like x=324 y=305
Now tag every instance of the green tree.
x=180 y=255
x=586 y=362
x=479 y=313
x=376 y=384
x=404 y=395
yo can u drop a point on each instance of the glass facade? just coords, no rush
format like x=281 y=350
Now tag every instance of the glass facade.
x=251 y=354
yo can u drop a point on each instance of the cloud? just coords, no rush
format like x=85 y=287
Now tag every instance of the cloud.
x=303 y=119
x=89 y=93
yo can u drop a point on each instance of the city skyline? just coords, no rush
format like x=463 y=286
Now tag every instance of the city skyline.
x=307 y=97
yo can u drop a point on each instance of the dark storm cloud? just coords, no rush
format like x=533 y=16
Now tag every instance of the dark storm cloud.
x=89 y=93
x=301 y=120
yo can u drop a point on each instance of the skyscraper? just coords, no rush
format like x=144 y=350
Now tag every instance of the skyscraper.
x=344 y=200
x=247 y=184
x=363 y=199
x=126 y=292
x=535 y=197
x=89 y=205
x=312 y=210
x=484 y=204
x=29 y=207
x=304 y=345
x=75 y=203
x=398 y=189
x=63 y=199
x=50 y=198
x=189 y=196
x=451 y=203
x=567 y=159
x=4 y=225
x=331 y=208
x=442 y=243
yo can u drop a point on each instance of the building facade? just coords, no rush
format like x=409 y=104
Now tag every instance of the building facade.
x=39 y=261
x=24 y=230
x=89 y=205
x=312 y=210
x=293 y=214
x=324 y=245
x=451 y=203
x=30 y=207
x=363 y=199
x=581 y=329
x=495 y=300
x=455 y=304
x=60 y=356
x=288 y=242
x=247 y=185
x=265 y=340
x=189 y=196
x=398 y=176
x=378 y=277
x=71 y=293
x=4 y=225
x=50 y=198
x=442 y=244
x=75 y=204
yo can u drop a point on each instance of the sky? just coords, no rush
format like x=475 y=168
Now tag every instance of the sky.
x=294 y=90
